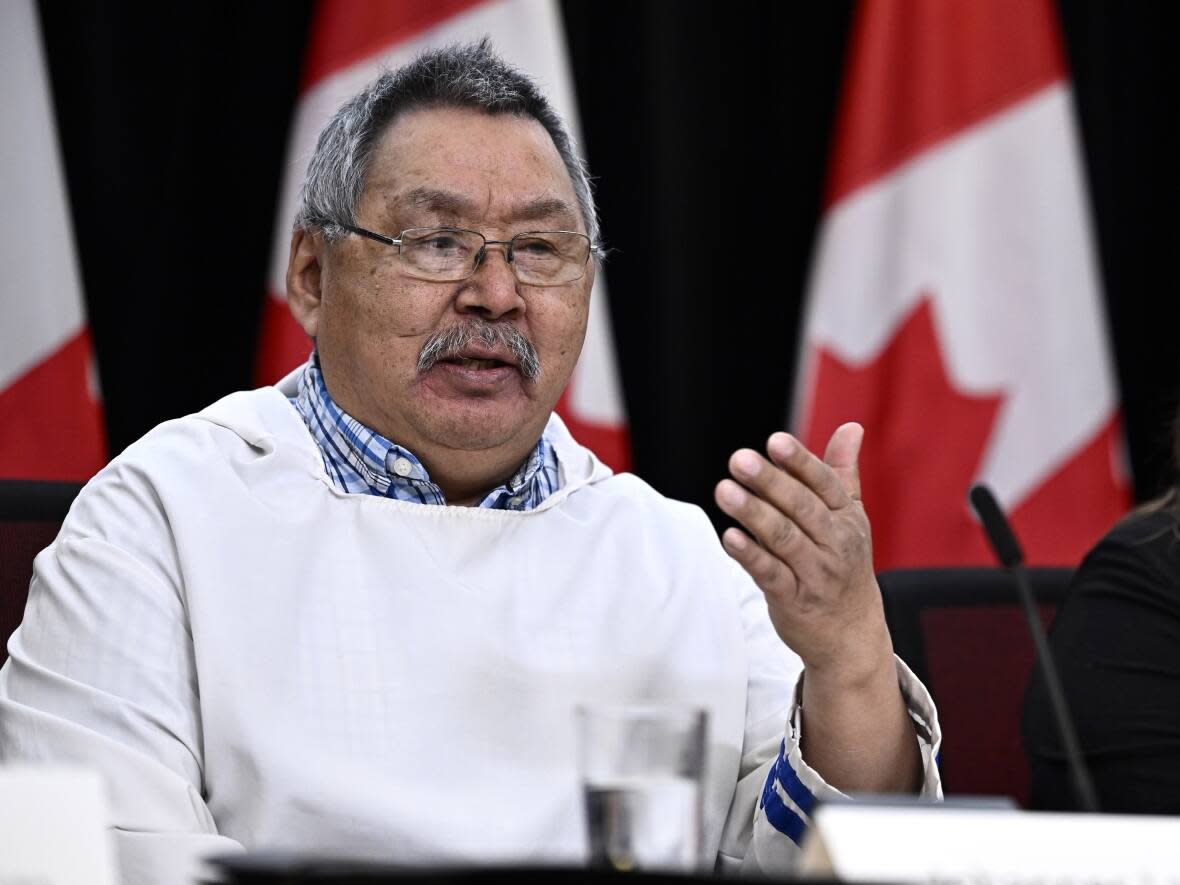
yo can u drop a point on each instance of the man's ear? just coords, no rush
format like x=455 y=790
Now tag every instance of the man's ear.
x=304 y=267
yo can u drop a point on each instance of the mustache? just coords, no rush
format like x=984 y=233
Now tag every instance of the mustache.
x=446 y=343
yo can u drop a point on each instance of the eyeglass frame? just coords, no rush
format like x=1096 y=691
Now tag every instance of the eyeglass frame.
x=594 y=248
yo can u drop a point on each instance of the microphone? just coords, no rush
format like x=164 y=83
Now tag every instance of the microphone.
x=1007 y=549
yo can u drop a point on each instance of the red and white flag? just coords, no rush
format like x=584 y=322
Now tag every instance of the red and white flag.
x=50 y=419
x=955 y=306
x=351 y=41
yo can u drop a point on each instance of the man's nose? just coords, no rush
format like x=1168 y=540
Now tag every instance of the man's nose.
x=492 y=291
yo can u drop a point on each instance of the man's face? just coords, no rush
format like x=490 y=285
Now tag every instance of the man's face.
x=496 y=174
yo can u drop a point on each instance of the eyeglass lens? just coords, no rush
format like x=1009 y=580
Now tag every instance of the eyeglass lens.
x=542 y=258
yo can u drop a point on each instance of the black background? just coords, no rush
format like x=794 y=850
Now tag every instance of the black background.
x=174 y=119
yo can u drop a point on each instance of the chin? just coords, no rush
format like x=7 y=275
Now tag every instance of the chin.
x=479 y=429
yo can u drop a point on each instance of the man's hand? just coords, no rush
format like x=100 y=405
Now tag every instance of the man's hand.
x=811 y=552
x=809 y=549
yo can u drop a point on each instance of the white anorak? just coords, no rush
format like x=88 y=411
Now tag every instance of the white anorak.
x=253 y=658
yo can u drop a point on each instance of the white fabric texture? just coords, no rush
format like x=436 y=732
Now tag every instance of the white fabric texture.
x=253 y=658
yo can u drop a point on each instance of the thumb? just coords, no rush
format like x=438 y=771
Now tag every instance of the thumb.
x=842 y=454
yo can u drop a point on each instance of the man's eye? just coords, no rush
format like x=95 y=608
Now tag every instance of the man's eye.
x=441 y=243
x=536 y=248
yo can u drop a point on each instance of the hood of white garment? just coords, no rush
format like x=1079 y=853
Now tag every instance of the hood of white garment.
x=267 y=421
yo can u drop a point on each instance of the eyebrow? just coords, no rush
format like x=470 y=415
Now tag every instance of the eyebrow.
x=451 y=203
x=545 y=207
x=441 y=201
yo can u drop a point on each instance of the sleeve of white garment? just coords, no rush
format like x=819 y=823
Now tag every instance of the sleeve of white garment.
x=772 y=806
x=101 y=673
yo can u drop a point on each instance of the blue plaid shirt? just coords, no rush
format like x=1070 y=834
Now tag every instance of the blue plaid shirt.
x=362 y=461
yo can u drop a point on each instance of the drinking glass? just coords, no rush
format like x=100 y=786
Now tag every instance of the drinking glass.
x=641 y=770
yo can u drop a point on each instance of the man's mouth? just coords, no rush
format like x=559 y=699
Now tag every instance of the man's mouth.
x=476 y=371
x=477 y=347
x=478 y=364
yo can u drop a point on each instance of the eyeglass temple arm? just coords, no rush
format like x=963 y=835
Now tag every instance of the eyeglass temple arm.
x=372 y=235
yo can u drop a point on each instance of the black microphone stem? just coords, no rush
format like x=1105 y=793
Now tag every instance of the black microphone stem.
x=1080 y=775
x=1007 y=549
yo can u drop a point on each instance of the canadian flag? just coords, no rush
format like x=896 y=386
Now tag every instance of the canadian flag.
x=50 y=420
x=351 y=41
x=954 y=307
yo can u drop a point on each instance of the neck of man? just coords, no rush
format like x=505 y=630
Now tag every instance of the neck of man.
x=463 y=462
x=466 y=477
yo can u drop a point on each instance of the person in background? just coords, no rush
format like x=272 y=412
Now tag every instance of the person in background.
x=1116 y=642
x=354 y=613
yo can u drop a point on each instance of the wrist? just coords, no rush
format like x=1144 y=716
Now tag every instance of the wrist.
x=864 y=666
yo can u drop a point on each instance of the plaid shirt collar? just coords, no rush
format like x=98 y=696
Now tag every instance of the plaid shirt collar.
x=360 y=460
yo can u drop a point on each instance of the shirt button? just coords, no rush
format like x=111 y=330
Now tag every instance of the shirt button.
x=402 y=467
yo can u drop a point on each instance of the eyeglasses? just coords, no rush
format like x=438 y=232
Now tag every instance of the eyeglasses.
x=451 y=254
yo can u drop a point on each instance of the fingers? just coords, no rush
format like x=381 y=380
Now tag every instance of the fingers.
x=807 y=542
x=822 y=477
x=779 y=494
x=768 y=572
x=843 y=454
x=776 y=532
x=795 y=505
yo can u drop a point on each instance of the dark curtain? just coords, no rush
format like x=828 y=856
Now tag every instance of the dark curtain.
x=707 y=127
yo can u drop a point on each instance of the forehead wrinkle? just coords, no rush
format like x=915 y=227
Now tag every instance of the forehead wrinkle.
x=545 y=207
x=458 y=205
x=440 y=201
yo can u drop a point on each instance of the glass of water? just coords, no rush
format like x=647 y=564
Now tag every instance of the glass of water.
x=641 y=772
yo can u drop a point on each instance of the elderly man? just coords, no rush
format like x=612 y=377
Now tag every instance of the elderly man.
x=354 y=613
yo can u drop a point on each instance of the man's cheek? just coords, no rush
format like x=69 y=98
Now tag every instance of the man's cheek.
x=400 y=315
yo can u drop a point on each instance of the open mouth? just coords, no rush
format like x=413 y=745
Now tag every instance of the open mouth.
x=478 y=364
x=481 y=350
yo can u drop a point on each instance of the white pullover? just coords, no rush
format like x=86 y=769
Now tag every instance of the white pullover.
x=253 y=658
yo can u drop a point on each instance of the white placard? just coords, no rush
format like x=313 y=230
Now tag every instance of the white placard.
x=977 y=846
x=53 y=828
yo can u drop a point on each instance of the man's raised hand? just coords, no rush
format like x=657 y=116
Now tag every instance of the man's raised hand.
x=807 y=546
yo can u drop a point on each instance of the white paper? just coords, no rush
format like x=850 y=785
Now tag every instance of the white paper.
x=934 y=844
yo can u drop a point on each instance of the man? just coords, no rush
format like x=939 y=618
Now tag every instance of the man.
x=354 y=614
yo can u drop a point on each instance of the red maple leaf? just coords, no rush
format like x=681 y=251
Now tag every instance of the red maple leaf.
x=924 y=440
x=923 y=443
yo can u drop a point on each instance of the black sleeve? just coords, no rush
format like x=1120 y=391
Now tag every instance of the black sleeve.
x=1116 y=640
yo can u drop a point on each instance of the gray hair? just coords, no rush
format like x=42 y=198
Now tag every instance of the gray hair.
x=458 y=76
